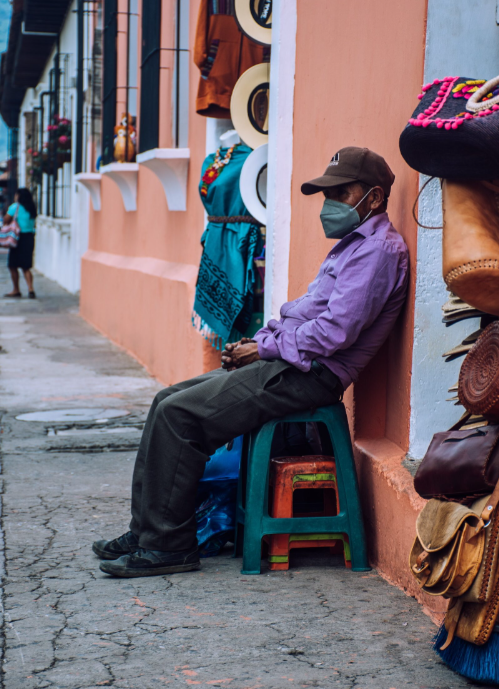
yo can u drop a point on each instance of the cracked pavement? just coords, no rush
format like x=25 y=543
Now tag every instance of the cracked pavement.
x=67 y=625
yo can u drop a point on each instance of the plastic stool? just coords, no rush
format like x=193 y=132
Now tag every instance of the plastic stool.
x=281 y=561
x=253 y=485
x=288 y=474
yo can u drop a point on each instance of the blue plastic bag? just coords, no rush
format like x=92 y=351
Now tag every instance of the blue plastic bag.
x=216 y=499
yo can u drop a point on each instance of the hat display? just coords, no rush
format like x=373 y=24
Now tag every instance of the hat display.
x=255 y=19
x=353 y=164
x=253 y=183
x=249 y=105
x=463 y=348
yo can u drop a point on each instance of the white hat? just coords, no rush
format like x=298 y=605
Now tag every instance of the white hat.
x=249 y=105
x=253 y=183
x=255 y=19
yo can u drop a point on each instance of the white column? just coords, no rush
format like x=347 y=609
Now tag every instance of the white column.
x=280 y=167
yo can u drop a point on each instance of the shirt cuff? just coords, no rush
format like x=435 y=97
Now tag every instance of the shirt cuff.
x=267 y=347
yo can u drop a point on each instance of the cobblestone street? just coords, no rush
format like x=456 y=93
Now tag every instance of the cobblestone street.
x=66 y=483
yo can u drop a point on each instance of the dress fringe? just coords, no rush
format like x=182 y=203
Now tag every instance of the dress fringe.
x=213 y=338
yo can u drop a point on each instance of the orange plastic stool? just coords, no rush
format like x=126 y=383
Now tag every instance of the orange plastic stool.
x=288 y=474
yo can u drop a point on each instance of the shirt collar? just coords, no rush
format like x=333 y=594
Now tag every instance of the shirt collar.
x=372 y=225
x=367 y=229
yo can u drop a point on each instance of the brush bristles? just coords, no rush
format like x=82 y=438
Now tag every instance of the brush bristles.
x=480 y=663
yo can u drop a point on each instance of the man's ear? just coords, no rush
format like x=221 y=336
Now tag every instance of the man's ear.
x=378 y=198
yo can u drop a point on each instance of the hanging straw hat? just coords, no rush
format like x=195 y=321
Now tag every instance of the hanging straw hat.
x=253 y=183
x=255 y=19
x=249 y=105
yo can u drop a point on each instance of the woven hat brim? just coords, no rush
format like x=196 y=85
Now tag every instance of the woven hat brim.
x=460 y=349
x=251 y=79
x=248 y=25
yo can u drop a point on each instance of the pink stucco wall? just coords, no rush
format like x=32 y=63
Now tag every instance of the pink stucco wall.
x=359 y=67
x=139 y=274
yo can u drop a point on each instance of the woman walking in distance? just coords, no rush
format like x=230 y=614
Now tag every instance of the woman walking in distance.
x=22 y=255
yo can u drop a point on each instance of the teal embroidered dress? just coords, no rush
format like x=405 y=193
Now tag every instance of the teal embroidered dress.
x=224 y=290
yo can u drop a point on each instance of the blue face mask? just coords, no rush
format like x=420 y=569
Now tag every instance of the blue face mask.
x=339 y=219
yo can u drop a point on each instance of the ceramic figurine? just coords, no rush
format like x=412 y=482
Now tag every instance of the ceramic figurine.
x=124 y=146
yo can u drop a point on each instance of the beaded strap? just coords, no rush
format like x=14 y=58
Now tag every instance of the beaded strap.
x=475 y=104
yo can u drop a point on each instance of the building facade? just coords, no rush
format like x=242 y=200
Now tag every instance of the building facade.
x=340 y=74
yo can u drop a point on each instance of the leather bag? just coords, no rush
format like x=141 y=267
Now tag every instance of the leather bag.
x=473 y=622
x=478 y=388
x=470 y=242
x=460 y=464
x=483 y=585
x=473 y=615
x=9 y=234
x=448 y=549
x=454 y=131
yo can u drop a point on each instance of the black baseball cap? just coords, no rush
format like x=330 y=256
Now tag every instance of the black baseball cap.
x=353 y=164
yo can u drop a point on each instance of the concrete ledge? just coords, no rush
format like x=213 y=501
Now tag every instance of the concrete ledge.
x=391 y=507
x=147 y=311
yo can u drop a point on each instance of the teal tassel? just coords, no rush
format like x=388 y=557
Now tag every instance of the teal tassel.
x=479 y=663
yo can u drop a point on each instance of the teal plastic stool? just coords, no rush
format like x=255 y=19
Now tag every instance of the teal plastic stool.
x=252 y=514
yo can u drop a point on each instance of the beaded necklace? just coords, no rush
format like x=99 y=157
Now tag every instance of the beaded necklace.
x=213 y=170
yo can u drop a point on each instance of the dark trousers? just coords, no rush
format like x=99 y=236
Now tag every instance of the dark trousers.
x=187 y=422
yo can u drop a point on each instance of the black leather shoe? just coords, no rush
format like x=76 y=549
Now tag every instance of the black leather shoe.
x=112 y=550
x=150 y=563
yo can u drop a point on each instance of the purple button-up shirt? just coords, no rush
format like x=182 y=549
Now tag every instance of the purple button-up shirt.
x=350 y=307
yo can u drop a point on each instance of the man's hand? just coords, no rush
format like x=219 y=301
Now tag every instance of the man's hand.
x=238 y=354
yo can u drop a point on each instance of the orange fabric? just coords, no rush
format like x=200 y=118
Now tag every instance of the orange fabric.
x=236 y=53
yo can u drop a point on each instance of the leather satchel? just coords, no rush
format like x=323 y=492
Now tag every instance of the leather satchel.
x=473 y=622
x=460 y=464
x=446 y=555
x=470 y=242
x=472 y=616
x=483 y=585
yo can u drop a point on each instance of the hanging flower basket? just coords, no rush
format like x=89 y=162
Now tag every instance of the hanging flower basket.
x=59 y=145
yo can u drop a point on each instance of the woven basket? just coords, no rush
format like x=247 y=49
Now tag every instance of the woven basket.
x=478 y=388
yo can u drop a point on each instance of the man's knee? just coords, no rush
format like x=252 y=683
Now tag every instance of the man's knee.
x=178 y=408
x=163 y=395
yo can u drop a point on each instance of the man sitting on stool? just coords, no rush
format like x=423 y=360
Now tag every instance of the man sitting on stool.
x=305 y=360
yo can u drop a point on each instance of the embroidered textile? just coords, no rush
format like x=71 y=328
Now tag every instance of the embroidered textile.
x=225 y=285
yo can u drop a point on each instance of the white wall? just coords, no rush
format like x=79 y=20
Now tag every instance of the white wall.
x=280 y=166
x=60 y=243
x=462 y=39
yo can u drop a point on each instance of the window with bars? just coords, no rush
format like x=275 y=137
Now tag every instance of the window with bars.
x=49 y=156
x=110 y=34
x=164 y=92
x=164 y=74
x=120 y=74
x=89 y=86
